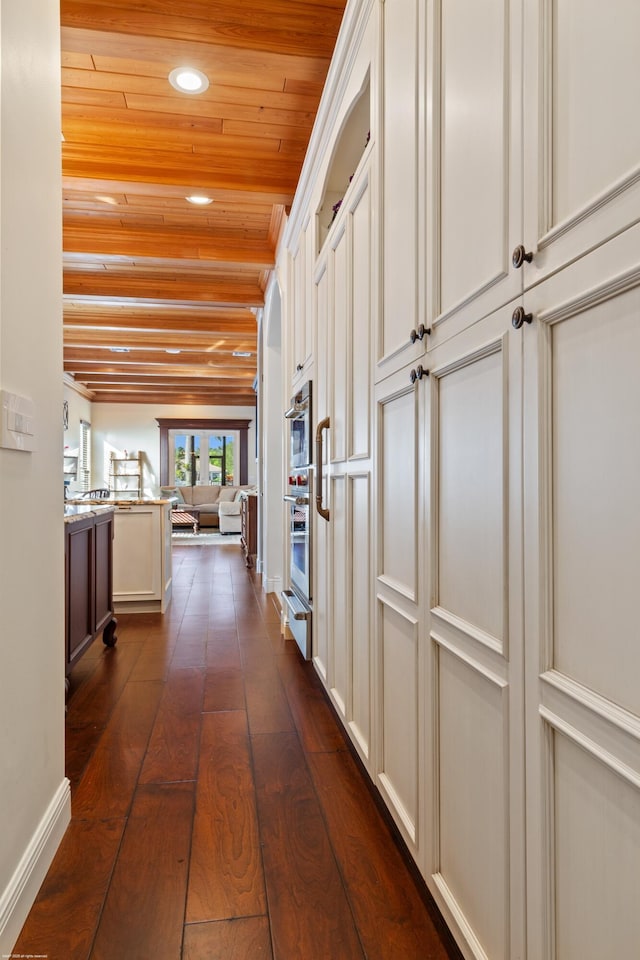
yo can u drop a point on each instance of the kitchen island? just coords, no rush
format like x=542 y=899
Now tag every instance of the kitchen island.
x=89 y=609
x=142 y=571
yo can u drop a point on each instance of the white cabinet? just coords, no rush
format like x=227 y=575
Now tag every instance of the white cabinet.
x=581 y=138
x=344 y=547
x=299 y=300
x=474 y=791
x=474 y=160
x=478 y=638
x=531 y=526
x=400 y=591
x=341 y=297
x=142 y=576
x=581 y=557
x=402 y=219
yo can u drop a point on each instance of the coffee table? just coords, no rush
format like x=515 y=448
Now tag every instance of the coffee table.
x=186 y=516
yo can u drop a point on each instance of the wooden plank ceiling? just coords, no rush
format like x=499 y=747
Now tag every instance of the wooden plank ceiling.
x=160 y=294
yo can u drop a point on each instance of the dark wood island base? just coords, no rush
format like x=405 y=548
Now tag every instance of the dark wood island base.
x=88 y=534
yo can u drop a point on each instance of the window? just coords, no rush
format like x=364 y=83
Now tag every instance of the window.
x=202 y=458
x=203 y=451
x=84 y=456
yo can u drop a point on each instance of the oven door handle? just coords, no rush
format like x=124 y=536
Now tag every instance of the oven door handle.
x=322 y=425
x=300 y=501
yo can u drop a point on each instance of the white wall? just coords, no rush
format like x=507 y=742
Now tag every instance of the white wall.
x=34 y=794
x=133 y=426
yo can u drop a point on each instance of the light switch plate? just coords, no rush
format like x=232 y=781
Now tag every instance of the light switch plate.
x=18 y=422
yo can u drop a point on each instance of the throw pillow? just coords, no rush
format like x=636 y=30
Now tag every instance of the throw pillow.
x=227 y=494
x=168 y=492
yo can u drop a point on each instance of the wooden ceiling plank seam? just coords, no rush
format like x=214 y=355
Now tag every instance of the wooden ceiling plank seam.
x=161 y=188
x=268 y=14
x=215 y=59
x=159 y=119
x=264 y=34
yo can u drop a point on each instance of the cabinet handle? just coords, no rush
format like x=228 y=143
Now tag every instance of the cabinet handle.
x=418 y=373
x=519 y=256
x=322 y=425
x=519 y=317
x=419 y=333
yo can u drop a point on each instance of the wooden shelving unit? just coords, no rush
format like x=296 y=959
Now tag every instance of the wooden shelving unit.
x=125 y=476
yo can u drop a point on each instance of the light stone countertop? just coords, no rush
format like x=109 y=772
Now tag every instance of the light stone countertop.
x=119 y=501
x=79 y=510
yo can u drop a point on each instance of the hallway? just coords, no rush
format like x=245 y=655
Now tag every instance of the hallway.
x=217 y=811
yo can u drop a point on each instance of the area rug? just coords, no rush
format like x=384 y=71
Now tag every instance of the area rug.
x=186 y=538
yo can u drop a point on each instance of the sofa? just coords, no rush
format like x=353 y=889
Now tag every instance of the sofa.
x=208 y=498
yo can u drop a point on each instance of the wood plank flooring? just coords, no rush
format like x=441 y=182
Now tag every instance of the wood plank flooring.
x=217 y=811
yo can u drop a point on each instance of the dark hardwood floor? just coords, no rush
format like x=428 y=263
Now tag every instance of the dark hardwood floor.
x=217 y=811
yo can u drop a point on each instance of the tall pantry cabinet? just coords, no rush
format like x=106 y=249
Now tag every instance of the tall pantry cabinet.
x=476 y=333
x=344 y=301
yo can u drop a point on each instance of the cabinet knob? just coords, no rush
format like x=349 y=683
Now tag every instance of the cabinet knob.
x=519 y=317
x=299 y=366
x=519 y=256
x=419 y=333
x=418 y=373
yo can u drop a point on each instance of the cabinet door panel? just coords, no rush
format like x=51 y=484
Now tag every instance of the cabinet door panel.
x=476 y=726
x=340 y=340
x=137 y=554
x=597 y=821
x=582 y=147
x=361 y=552
x=398 y=776
x=340 y=635
x=582 y=554
x=81 y=598
x=299 y=308
x=361 y=325
x=593 y=146
x=400 y=581
x=103 y=571
x=474 y=825
x=471 y=483
x=400 y=206
x=474 y=202
x=596 y=465
x=398 y=479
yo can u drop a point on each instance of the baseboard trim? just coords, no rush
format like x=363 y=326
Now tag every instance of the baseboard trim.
x=272 y=584
x=17 y=899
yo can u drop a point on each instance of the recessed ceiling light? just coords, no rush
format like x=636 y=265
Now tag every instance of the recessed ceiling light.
x=241 y=353
x=172 y=350
x=199 y=201
x=188 y=80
